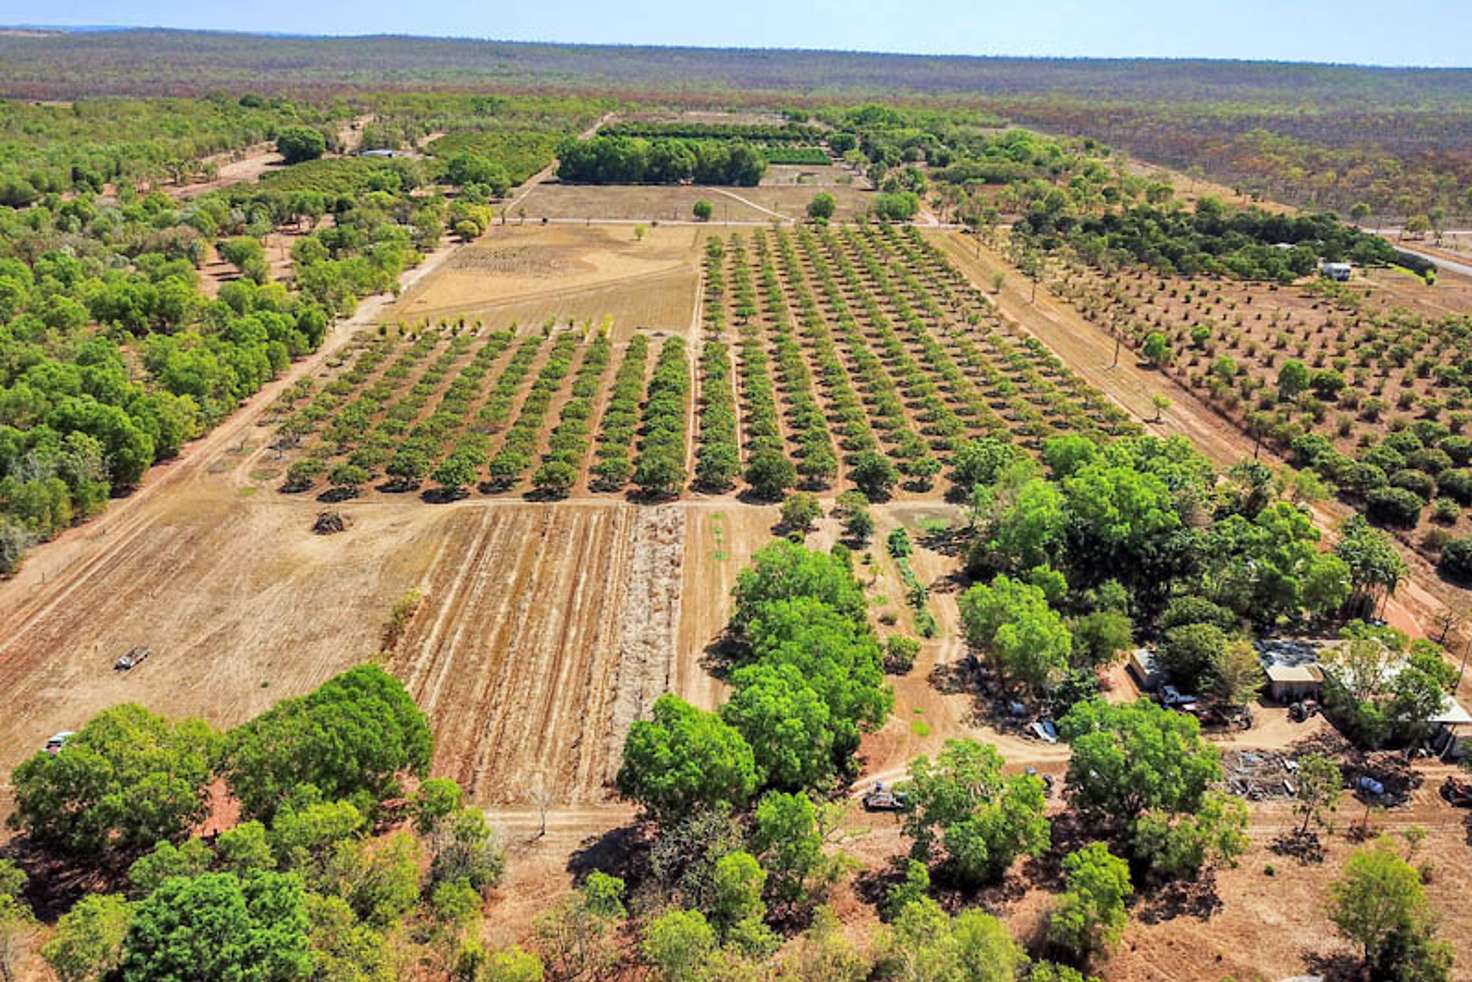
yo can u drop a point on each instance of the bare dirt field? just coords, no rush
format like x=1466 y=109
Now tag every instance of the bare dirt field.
x=636 y=202
x=529 y=273
x=792 y=200
x=786 y=199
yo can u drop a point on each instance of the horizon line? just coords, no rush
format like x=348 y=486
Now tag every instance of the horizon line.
x=64 y=29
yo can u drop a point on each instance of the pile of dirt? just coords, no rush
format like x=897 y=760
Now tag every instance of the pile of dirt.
x=330 y=523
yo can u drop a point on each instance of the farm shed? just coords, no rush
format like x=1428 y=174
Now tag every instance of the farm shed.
x=1142 y=666
x=1335 y=271
x=1452 y=736
x=1294 y=683
x=1291 y=667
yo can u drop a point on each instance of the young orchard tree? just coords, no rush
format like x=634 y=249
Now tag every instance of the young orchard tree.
x=458 y=470
x=703 y=210
x=770 y=474
x=1156 y=349
x=801 y=512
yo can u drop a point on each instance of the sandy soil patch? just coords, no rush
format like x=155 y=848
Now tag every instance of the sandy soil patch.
x=532 y=272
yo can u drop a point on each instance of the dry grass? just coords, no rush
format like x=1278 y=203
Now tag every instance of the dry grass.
x=534 y=272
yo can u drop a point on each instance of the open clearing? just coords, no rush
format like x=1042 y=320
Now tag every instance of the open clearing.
x=785 y=198
x=529 y=273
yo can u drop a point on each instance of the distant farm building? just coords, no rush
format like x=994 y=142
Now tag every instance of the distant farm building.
x=1294 y=673
x=1336 y=271
x=382 y=152
x=1292 y=669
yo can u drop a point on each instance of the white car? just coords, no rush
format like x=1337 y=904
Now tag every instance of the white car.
x=57 y=741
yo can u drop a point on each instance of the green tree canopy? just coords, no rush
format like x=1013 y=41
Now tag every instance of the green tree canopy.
x=356 y=734
x=985 y=819
x=1133 y=757
x=1090 y=916
x=87 y=945
x=126 y=780
x=299 y=143
x=1022 y=638
x=214 y=926
x=684 y=759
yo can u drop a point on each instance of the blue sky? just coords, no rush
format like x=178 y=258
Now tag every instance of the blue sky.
x=1384 y=32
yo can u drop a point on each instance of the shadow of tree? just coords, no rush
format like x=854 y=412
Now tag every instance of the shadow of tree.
x=621 y=852
x=1181 y=898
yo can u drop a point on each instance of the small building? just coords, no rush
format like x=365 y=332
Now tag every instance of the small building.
x=380 y=152
x=1451 y=736
x=1294 y=683
x=1336 y=271
x=1143 y=667
x=1291 y=668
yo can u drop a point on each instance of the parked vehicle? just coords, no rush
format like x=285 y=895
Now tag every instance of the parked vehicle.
x=1173 y=698
x=882 y=799
x=1301 y=711
x=134 y=657
x=58 y=740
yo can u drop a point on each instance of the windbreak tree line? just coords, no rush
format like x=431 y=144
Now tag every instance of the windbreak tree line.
x=634 y=160
x=1248 y=244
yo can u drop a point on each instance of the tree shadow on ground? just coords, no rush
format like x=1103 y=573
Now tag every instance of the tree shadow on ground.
x=443 y=496
x=621 y=852
x=1338 y=967
x=948 y=541
x=722 y=656
x=1302 y=845
x=1181 y=898
x=54 y=883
